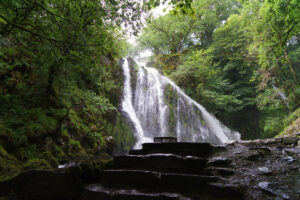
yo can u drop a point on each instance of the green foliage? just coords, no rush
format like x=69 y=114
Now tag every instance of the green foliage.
x=171 y=34
x=271 y=127
x=179 y=6
x=74 y=143
x=30 y=151
x=58 y=76
x=168 y=34
x=291 y=123
x=292 y=117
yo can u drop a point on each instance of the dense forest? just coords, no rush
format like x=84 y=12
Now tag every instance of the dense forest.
x=61 y=83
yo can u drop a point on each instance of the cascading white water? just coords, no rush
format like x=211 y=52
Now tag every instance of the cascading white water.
x=161 y=108
x=127 y=105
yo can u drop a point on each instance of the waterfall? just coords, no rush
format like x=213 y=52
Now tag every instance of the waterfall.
x=128 y=107
x=160 y=108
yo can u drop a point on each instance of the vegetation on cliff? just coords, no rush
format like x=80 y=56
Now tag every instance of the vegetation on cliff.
x=60 y=81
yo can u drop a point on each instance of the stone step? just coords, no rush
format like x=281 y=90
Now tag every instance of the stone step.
x=180 y=148
x=161 y=162
x=97 y=192
x=155 y=181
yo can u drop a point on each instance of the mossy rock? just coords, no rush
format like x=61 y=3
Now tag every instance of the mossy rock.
x=75 y=151
x=59 y=154
x=37 y=163
x=122 y=133
x=293 y=128
x=9 y=166
x=50 y=159
x=91 y=169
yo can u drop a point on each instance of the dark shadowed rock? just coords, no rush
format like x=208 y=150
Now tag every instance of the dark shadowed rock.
x=226 y=190
x=47 y=185
x=253 y=155
x=6 y=187
x=293 y=141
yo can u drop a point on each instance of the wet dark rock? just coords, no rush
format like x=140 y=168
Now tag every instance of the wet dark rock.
x=6 y=187
x=261 y=150
x=272 y=142
x=264 y=170
x=219 y=162
x=291 y=151
x=289 y=159
x=290 y=141
x=268 y=188
x=226 y=190
x=46 y=185
x=254 y=155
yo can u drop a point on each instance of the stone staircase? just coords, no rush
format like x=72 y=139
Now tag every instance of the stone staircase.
x=166 y=171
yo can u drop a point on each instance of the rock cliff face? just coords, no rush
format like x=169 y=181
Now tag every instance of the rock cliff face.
x=260 y=170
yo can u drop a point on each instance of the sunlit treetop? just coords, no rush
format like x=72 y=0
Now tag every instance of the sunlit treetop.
x=179 y=6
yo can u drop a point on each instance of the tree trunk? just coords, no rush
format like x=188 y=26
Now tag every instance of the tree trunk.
x=290 y=65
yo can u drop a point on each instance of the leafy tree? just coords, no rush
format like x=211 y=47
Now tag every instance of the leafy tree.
x=171 y=34
x=168 y=34
x=58 y=76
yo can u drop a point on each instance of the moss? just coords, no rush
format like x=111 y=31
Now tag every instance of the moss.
x=293 y=128
x=123 y=137
x=75 y=151
x=40 y=123
x=50 y=159
x=291 y=124
x=170 y=98
x=59 y=154
x=74 y=143
x=37 y=163
x=4 y=154
x=9 y=166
